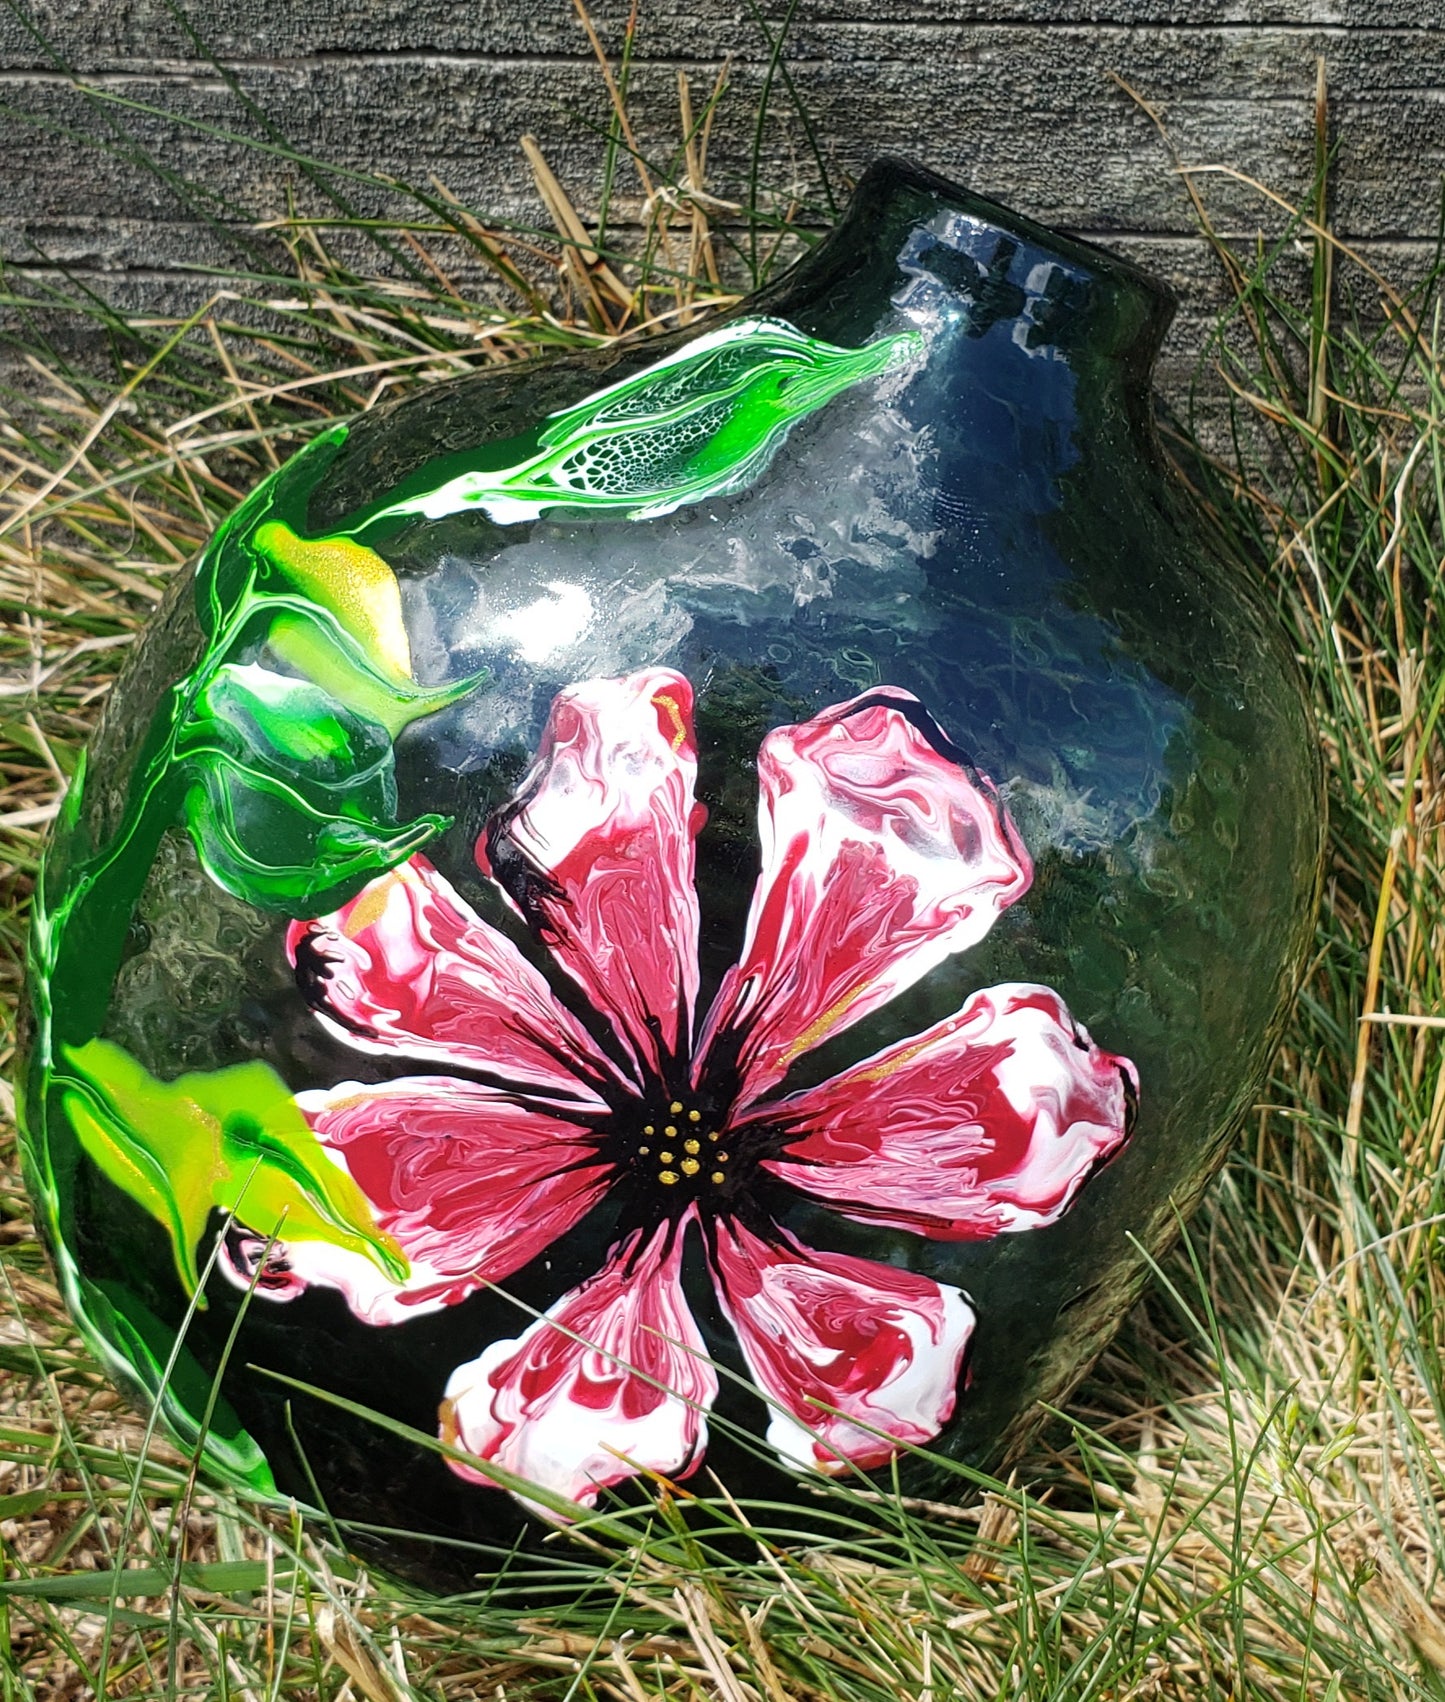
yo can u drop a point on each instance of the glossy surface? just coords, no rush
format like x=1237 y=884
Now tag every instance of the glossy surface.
x=624 y=918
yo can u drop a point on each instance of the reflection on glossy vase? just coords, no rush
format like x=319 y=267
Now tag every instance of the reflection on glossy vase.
x=582 y=933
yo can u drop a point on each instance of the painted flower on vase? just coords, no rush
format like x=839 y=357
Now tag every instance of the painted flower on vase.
x=883 y=853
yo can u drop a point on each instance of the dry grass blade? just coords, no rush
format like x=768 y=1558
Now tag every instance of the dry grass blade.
x=344 y=1641
x=588 y=271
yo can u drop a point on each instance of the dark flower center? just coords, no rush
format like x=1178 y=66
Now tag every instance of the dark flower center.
x=678 y=1149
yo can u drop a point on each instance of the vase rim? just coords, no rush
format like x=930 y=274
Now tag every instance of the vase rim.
x=892 y=175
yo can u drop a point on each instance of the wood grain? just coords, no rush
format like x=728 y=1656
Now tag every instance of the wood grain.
x=1017 y=98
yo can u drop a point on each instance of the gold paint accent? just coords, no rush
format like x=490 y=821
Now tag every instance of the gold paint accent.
x=447 y=1421
x=644 y=1150
x=666 y=1157
x=675 y=1107
x=717 y=1176
x=671 y=1131
x=692 y=1146
x=713 y=1135
x=679 y=726
x=348 y=1101
x=722 y=1158
x=370 y=904
x=690 y=1167
x=881 y=1072
x=818 y=1030
x=649 y=1130
x=694 y=1116
x=667 y=1177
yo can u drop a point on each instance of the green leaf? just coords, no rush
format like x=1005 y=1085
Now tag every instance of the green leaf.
x=301 y=726
x=294 y=805
x=702 y=422
x=264 y=843
x=229 y=1140
x=329 y=607
x=140 y=1352
x=226 y=573
x=314 y=643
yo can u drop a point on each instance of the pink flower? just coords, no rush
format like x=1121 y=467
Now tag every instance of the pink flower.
x=883 y=853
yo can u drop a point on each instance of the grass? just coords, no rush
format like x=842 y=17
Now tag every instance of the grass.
x=1246 y=1498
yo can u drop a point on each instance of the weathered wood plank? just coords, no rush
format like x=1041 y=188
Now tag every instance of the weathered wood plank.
x=1383 y=56
x=100 y=34
x=1047 y=130
x=1014 y=97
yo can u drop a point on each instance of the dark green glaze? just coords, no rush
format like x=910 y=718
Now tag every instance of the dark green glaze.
x=961 y=497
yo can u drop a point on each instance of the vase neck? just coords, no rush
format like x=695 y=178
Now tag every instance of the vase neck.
x=911 y=241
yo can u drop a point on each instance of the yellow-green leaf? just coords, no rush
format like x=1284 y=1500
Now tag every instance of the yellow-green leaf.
x=303 y=642
x=228 y=1140
x=354 y=583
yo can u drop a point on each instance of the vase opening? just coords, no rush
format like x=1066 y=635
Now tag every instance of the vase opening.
x=933 y=248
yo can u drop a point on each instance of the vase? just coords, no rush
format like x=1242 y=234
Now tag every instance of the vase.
x=706 y=905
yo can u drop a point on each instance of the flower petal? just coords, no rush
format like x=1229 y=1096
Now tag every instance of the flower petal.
x=884 y=852
x=596 y=852
x=824 y=1330
x=470 y=1183
x=409 y=967
x=612 y=1381
x=989 y=1122
x=284 y=1270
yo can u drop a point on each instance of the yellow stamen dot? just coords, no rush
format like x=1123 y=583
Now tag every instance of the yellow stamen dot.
x=675 y=1107
x=718 y=1176
x=690 y=1167
x=649 y=1130
x=667 y=1177
x=694 y=1116
x=666 y=1157
x=722 y=1158
x=714 y=1135
x=671 y=1131
x=692 y=1146
x=644 y=1150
